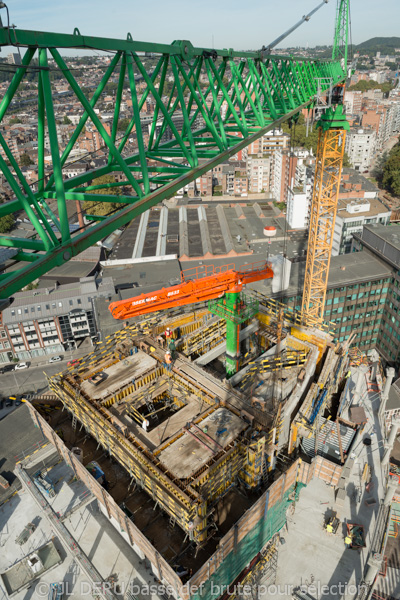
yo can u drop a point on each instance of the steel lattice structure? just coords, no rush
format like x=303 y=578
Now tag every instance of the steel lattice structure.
x=220 y=102
x=328 y=172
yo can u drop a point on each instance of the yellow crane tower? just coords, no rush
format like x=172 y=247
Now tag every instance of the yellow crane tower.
x=328 y=171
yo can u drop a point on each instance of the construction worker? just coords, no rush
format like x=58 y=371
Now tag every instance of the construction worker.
x=172 y=347
x=145 y=424
x=329 y=528
x=168 y=334
x=348 y=541
x=168 y=360
x=348 y=374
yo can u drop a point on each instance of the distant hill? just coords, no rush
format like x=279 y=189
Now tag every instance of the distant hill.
x=385 y=45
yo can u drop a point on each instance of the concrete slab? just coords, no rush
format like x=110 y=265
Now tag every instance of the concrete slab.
x=119 y=375
x=21 y=574
x=309 y=555
x=190 y=452
x=176 y=421
x=105 y=547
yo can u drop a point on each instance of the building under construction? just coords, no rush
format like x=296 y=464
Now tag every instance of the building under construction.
x=217 y=457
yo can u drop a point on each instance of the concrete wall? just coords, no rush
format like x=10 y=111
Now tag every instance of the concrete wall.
x=128 y=530
x=227 y=553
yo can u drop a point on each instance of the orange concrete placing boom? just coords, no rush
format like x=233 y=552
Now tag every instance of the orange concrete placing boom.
x=198 y=284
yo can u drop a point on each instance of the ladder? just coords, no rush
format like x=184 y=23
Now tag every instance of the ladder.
x=151 y=407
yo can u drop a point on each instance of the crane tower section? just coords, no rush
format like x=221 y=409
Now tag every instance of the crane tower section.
x=328 y=171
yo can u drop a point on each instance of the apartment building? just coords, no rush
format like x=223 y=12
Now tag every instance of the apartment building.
x=353 y=102
x=360 y=147
x=51 y=320
x=383 y=243
x=258 y=172
x=358 y=205
x=358 y=292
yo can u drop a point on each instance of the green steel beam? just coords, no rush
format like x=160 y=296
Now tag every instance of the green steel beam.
x=260 y=91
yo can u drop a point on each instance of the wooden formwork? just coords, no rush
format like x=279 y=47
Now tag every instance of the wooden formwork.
x=298 y=473
x=135 y=536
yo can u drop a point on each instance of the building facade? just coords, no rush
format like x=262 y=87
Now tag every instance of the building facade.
x=360 y=147
x=48 y=321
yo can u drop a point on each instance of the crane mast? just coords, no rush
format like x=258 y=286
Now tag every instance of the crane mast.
x=328 y=171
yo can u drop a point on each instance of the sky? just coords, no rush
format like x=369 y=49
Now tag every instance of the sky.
x=237 y=24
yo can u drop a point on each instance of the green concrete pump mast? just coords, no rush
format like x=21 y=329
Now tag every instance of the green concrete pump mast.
x=220 y=101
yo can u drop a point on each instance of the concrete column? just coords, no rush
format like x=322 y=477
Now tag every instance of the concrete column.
x=390 y=442
x=139 y=552
x=374 y=565
x=393 y=432
x=393 y=482
x=389 y=378
x=374 y=358
x=362 y=370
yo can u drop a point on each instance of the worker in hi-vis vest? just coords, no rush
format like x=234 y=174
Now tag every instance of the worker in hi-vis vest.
x=168 y=360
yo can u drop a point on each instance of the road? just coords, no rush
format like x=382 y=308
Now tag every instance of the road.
x=33 y=378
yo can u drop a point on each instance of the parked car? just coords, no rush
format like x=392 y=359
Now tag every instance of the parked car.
x=21 y=365
x=6 y=368
x=55 y=359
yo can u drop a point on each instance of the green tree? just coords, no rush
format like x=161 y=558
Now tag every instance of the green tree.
x=15 y=120
x=67 y=120
x=377 y=171
x=364 y=86
x=6 y=223
x=391 y=171
x=123 y=124
x=103 y=208
x=346 y=160
x=25 y=160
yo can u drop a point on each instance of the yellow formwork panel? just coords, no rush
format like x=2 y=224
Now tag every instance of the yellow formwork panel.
x=311 y=339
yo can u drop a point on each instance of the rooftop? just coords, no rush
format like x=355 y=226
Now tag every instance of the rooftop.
x=47 y=302
x=376 y=208
x=355 y=178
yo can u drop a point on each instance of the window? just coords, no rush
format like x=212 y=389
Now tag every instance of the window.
x=13 y=313
x=60 y=304
x=32 y=309
x=39 y=308
x=79 y=301
x=47 y=306
x=19 y=311
x=71 y=302
x=26 y=310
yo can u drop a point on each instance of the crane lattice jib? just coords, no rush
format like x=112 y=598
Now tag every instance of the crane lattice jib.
x=208 y=105
x=340 y=41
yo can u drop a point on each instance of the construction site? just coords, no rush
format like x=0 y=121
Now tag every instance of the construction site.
x=221 y=442
x=209 y=471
